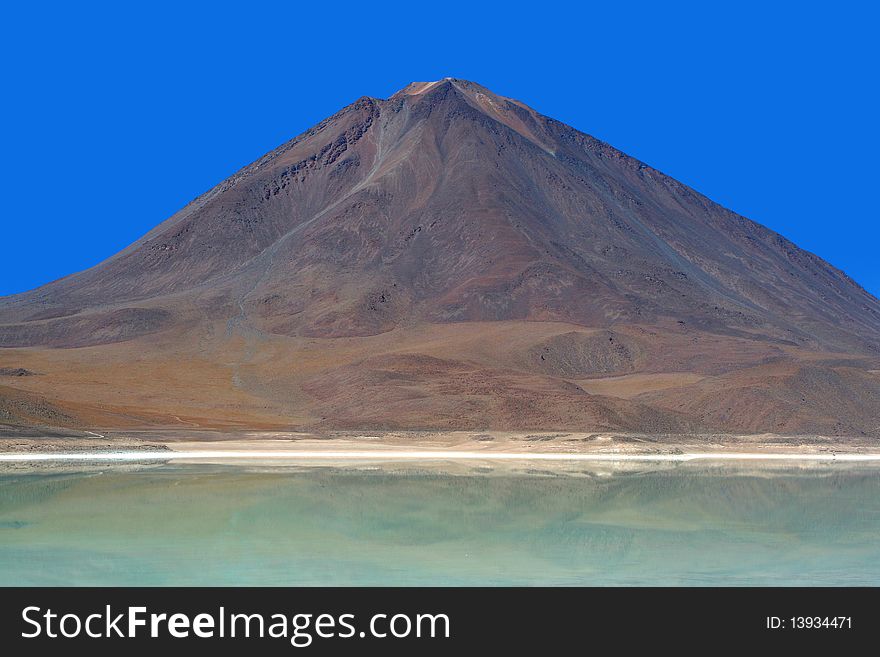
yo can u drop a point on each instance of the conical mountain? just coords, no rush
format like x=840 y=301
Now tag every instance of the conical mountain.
x=450 y=258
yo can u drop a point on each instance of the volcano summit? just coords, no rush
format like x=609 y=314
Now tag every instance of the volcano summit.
x=449 y=258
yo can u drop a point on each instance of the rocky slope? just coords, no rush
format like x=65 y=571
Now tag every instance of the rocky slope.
x=449 y=257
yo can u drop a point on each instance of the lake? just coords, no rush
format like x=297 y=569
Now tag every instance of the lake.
x=475 y=524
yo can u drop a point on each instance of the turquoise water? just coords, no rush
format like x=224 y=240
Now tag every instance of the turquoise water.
x=231 y=525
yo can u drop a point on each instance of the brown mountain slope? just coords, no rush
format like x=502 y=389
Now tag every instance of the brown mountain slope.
x=451 y=258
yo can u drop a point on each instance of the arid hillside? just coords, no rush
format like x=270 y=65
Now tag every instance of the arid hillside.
x=449 y=258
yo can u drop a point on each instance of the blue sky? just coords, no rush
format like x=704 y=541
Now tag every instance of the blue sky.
x=116 y=115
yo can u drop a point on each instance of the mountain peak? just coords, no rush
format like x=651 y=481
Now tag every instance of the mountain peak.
x=469 y=88
x=418 y=88
x=452 y=258
x=512 y=113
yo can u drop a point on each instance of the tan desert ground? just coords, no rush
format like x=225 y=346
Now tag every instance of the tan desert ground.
x=448 y=260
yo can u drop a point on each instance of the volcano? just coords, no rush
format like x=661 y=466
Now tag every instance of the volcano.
x=449 y=258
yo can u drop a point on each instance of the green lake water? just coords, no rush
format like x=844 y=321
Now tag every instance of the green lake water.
x=231 y=525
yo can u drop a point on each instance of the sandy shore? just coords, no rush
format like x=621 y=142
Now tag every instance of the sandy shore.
x=231 y=456
x=431 y=446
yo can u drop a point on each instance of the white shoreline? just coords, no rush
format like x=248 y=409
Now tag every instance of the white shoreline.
x=450 y=455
